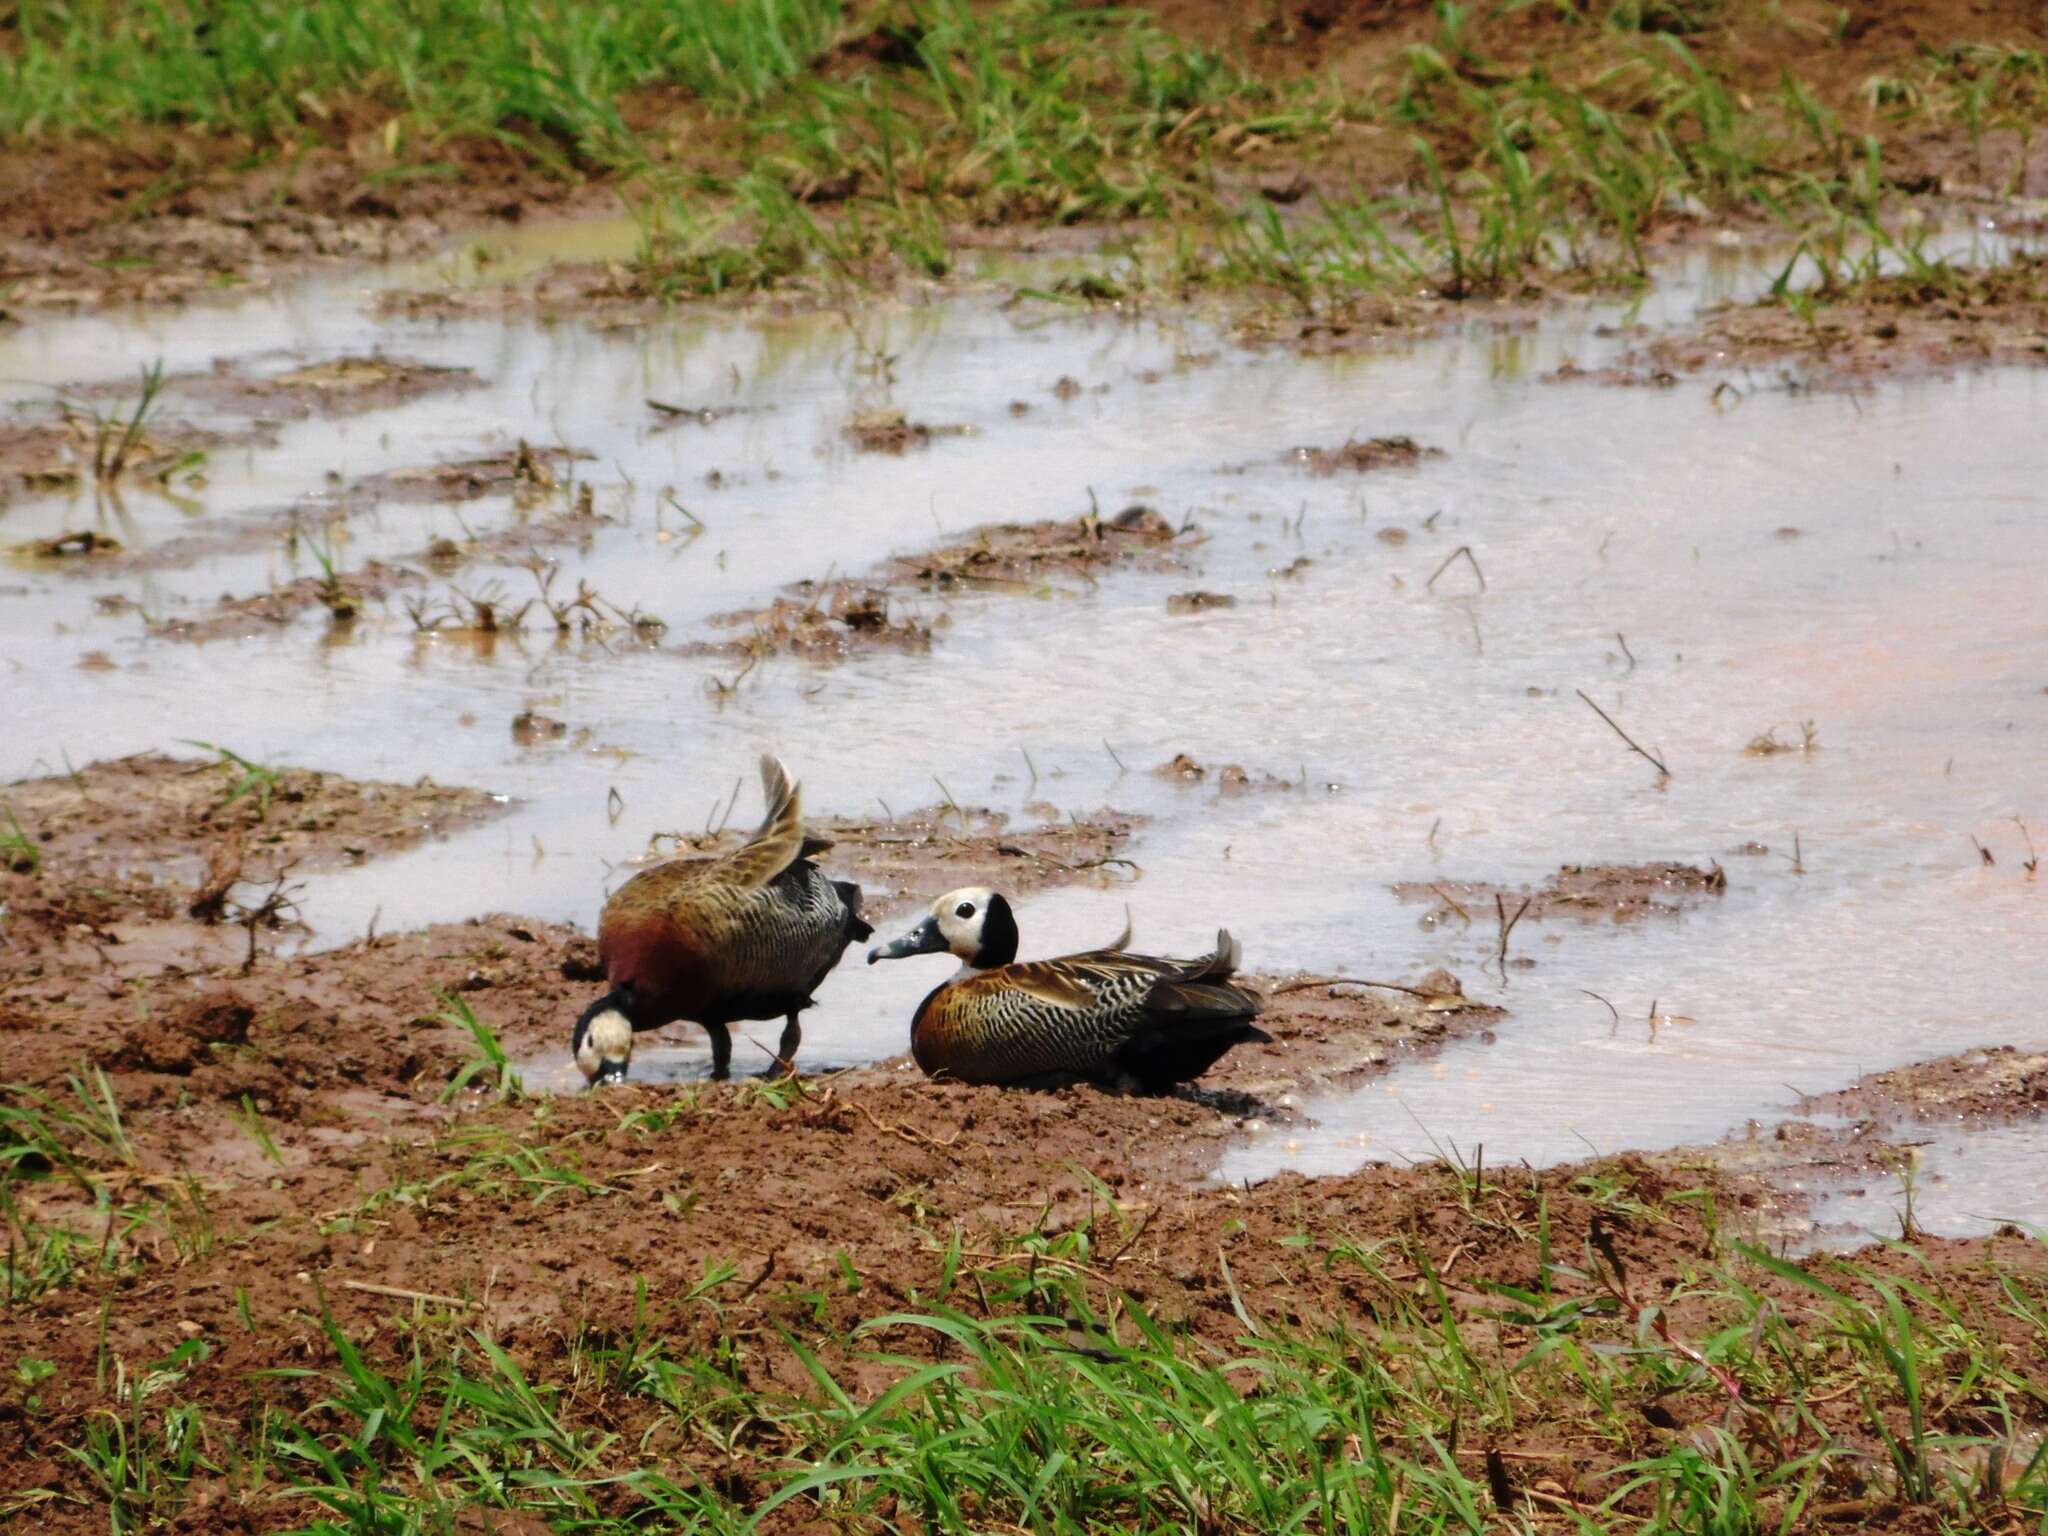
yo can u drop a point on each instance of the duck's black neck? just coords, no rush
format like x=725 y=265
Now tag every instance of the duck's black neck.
x=998 y=936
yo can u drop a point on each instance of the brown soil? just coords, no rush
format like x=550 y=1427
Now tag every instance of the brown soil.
x=1362 y=46
x=177 y=215
x=1619 y=893
x=1199 y=602
x=1980 y=1087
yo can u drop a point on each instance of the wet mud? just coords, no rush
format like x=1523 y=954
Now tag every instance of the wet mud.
x=1033 y=554
x=892 y=431
x=1360 y=457
x=1889 y=327
x=1619 y=893
x=1999 y=1084
x=824 y=622
x=71 y=450
x=1229 y=778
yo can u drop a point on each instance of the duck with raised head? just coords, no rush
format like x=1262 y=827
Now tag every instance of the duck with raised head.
x=750 y=935
x=1128 y=1021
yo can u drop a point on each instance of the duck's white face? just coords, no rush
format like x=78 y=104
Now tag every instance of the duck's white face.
x=962 y=915
x=973 y=922
x=603 y=1046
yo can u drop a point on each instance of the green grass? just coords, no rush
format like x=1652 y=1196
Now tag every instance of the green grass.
x=542 y=73
x=1022 y=1396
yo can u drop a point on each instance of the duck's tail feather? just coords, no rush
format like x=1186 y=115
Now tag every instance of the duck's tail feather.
x=780 y=841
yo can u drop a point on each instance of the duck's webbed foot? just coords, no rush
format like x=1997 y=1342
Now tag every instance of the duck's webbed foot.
x=784 y=1064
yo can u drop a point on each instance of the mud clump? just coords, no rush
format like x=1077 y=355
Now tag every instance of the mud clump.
x=532 y=730
x=1199 y=602
x=1027 y=554
x=520 y=470
x=1231 y=778
x=1620 y=893
x=343 y=594
x=69 y=546
x=822 y=622
x=1362 y=457
x=891 y=431
x=76 y=450
x=338 y=386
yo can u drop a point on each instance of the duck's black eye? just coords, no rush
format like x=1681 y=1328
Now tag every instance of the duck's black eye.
x=965 y=909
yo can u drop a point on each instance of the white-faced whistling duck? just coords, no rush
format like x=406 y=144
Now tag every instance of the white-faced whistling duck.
x=1129 y=1021
x=747 y=936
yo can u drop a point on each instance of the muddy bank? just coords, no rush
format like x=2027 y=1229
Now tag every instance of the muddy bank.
x=1893 y=327
x=158 y=811
x=1998 y=1084
x=176 y=215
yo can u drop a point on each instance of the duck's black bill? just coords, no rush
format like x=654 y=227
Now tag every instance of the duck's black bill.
x=924 y=939
x=609 y=1072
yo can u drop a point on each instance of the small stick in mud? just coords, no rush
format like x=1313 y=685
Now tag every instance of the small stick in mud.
x=1654 y=762
x=1120 y=768
x=1470 y=559
x=1451 y=901
x=1616 y=1012
x=2032 y=861
x=1982 y=852
x=1507 y=926
x=1306 y=983
x=400 y=1293
x=1622 y=641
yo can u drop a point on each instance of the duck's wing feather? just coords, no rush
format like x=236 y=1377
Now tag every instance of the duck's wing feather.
x=779 y=843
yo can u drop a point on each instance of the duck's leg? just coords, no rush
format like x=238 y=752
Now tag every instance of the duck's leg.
x=721 y=1051
x=785 y=1053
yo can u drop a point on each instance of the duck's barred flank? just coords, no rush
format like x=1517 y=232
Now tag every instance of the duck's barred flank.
x=1106 y=1015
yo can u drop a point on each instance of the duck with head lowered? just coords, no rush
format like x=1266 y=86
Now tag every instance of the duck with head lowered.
x=1128 y=1021
x=747 y=936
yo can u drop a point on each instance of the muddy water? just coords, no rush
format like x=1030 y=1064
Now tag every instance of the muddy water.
x=1706 y=568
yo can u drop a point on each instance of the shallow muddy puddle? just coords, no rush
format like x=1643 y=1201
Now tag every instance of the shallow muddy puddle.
x=1705 y=568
